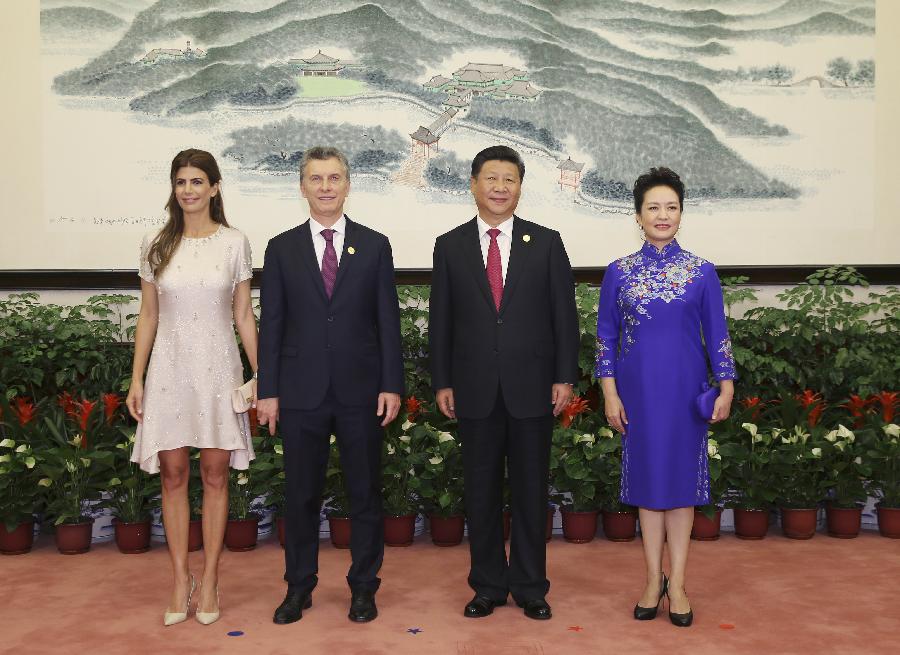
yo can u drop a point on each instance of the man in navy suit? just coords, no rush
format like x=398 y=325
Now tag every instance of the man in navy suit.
x=503 y=334
x=330 y=362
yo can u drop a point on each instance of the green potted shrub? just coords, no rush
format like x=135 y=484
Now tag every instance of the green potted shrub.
x=403 y=456
x=439 y=486
x=575 y=477
x=619 y=520
x=750 y=477
x=19 y=490
x=246 y=498
x=799 y=480
x=882 y=456
x=708 y=518
x=132 y=496
x=846 y=474
x=73 y=476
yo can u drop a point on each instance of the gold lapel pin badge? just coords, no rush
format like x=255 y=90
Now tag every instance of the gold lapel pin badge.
x=351 y=250
x=526 y=238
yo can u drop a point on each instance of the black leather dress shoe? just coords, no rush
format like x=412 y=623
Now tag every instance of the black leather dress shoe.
x=291 y=608
x=481 y=606
x=536 y=609
x=362 y=607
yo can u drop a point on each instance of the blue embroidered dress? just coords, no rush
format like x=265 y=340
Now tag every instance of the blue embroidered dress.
x=657 y=310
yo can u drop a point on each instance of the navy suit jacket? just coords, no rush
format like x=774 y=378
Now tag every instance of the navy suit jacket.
x=528 y=345
x=308 y=342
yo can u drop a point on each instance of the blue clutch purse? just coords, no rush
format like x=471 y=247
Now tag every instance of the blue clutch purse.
x=706 y=401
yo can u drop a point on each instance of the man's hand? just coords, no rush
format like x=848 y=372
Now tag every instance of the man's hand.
x=560 y=397
x=444 y=399
x=388 y=406
x=267 y=413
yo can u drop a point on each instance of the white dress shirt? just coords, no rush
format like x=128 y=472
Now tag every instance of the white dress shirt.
x=504 y=241
x=340 y=229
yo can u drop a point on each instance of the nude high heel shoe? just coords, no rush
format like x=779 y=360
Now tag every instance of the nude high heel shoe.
x=171 y=618
x=206 y=618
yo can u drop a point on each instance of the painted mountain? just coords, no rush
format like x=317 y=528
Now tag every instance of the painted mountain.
x=599 y=88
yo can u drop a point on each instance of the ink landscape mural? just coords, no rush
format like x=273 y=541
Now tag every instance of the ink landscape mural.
x=765 y=108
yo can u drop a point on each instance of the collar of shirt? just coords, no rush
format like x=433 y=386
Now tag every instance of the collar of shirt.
x=506 y=227
x=315 y=227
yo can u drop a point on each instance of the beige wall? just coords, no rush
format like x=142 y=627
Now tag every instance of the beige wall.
x=21 y=186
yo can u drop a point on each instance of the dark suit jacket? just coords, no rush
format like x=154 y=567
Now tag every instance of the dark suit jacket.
x=526 y=347
x=308 y=342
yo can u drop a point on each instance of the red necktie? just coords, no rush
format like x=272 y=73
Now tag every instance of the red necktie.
x=329 y=262
x=494 y=268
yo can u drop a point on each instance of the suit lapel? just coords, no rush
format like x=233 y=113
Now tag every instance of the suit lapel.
x=472 y=248
x=346 y=257
x=308 y=255
x=519 y=252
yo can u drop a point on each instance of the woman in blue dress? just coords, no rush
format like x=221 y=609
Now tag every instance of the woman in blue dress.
x=660 y=317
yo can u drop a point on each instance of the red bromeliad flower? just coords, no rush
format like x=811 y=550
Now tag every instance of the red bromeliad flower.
x=858 y=408
x=813 y=403
x=755 y=403
x=67 y=402
x=83 y=409
x=578 y=405
x=111 y=402
x=413 y=408
x=24 y=410
x=888 y=401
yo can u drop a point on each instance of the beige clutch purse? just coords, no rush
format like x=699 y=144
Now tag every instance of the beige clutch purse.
x=242 y=397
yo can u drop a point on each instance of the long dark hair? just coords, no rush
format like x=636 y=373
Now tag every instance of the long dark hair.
x=165 y=243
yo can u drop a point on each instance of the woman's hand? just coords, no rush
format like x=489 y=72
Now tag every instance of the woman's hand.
x=135 y=400
x=722 y=409
x=615 y=412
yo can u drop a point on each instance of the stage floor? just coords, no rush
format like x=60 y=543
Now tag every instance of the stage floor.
x=773 y=596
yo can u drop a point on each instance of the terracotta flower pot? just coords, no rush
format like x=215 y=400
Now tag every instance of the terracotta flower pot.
x=751 y=523
x=19 y=541
x=447 y=530
x=507 y=518
x=339 y=527
x=550 y=512
x=843 y=523
x=706 y=529
x=888 y=521
x=619 y=526
x=279 y=528
x=132 y=538
x=240 y=534
x=399 y=530
x=195 y=535
x=799 y=523
x=74 y=538
x=579 y=527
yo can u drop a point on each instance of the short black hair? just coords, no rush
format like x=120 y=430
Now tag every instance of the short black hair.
x=660 y=176
x=498 y=153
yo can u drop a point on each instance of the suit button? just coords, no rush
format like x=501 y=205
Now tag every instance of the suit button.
x=496 y=352
x=499 y=321
x=331 y=319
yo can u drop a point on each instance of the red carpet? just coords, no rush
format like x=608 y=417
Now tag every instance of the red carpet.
x=772 y=596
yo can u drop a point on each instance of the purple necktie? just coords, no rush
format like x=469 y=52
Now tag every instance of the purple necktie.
x=494 y=268
x=329 y=262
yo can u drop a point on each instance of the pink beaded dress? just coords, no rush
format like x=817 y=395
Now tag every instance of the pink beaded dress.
x=195 y=363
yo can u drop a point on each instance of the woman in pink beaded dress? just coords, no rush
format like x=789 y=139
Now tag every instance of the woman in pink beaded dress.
x=195 y=289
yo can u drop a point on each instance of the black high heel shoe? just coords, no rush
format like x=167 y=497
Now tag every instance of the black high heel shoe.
x=649 y=613
x=680 y=620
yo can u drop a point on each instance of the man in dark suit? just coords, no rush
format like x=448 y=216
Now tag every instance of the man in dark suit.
x=329 y=363
x=503 y=334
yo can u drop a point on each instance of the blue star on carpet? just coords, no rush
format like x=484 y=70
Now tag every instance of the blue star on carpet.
x=414 y=631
